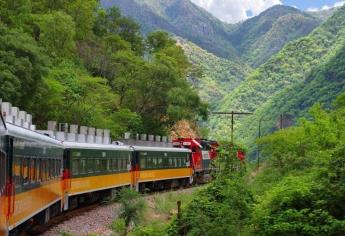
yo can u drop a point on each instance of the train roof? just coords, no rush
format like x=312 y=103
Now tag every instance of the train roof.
x=160 y=149
x=97 y=146
x=21 y=132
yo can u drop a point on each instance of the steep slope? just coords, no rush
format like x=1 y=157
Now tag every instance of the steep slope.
x=254 y=40
x=258 y=38
x=262 y=89
x=220 y=76
x=323 y=14
x=322 y=85
x=182 y=18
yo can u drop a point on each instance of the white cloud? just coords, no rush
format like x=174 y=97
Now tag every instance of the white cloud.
x=339 y=4
x=327 y=7
x=232 y=11
x=313 y=9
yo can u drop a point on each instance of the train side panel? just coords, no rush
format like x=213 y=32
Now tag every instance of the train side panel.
x=30 y=203
x=159 y=165
x=35 y=172
x=98 y=169
x=100 y=182
x=165 y=174
x=3 y=181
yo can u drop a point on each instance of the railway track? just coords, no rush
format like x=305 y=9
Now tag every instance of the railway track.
x=87 y=218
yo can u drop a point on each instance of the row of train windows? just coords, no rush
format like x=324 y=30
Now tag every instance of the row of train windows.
x=91 y=166
x=2 y=172
x=28 y=170
x=159 y=162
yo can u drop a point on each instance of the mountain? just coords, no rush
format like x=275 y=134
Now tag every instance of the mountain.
x=182 y=18
x=323 y=14
x=292 y=80
x=219 y=75
x=258 y=38
x=254 y=40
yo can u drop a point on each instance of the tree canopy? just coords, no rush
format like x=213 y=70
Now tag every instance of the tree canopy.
x=73 y=61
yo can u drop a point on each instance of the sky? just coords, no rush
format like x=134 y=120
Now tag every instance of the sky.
x=233 y=11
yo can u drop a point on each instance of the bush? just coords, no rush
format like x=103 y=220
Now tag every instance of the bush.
x=223 y=207
x=119 y=226
x=132 y=206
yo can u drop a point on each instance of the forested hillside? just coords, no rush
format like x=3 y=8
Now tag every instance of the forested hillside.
x=254 y=40
x=290 y=67
x=260 y=37
x=299 y=190
x=74 y=62
x=213 y=77
x=182 y=18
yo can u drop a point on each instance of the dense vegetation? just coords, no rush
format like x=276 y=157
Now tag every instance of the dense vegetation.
x=261 y=37
x=254 y=40
x=75 y=62
x=182 y=18
x=298 y=191
x=291 y=72
x=213 y=77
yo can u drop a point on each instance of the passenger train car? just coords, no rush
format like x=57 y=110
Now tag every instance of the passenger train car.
x=158 y=167
x=31 y=167
x=41 y=176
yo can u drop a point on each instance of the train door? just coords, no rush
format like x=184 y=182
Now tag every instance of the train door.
x=3 y=180
x=66 y=179
x=135 y=170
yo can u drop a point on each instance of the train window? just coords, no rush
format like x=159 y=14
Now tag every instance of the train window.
x=17 y=171
x=124 y=164
x=142 y=163
x=120 y=164
x=148 y=163
x=50 y=168
x=98 y=165
x=42 y=170
x=32 y=170
x=82 y=166
x=57 y=169
x=38 y=170
x=54 y=162
x=25 y=170
x=154 y=162
x=89 y=165
x=45 y=170
x=75 y=167
x=160 y=162
x=108 y=165
x=113 y=164
x=2 y=171
x=104 y=165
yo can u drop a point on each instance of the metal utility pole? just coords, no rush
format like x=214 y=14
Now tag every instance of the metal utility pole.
x=232 y=113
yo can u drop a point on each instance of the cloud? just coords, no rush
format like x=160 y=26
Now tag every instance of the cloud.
x=327 y=7
x=233 y=11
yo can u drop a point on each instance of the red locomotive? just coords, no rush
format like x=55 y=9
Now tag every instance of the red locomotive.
x=203 y=153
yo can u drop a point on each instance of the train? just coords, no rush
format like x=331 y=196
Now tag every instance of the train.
x=41 y=176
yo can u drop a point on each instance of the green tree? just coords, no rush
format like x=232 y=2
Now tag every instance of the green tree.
x=22 y=66
x=56 y=33
x=159 y=40
x=83 y=13
x=132 y=206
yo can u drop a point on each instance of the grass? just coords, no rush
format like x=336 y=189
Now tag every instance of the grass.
x=161 y=207
x=167 y=203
